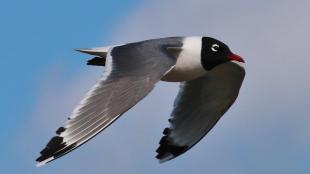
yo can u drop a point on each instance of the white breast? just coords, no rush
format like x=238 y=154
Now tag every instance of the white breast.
x=188 y=66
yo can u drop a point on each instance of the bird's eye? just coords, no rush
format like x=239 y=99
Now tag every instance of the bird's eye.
x=215 y=47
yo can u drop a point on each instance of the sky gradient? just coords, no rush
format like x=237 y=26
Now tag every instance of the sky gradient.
x=265 y=131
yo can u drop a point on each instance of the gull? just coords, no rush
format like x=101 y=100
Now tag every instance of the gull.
x=210 y=77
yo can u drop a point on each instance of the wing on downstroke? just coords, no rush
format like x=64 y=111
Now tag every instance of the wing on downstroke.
x=131 y=73
x=199 y=105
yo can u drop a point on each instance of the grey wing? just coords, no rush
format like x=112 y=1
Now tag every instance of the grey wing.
x=131 y=74
x=197 y=108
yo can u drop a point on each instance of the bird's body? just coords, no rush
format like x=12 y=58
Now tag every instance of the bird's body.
x=210 y=76
x=188 y=65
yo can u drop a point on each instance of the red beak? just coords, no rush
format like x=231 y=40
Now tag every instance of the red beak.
x=236 y=58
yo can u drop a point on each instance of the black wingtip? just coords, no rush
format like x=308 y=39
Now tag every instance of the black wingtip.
x=54 y=149
x=60 y=130
x=167 y=151
x=97 y=61
x=54 y=145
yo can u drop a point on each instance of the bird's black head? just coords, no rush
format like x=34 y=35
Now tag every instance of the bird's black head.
x=215 y=52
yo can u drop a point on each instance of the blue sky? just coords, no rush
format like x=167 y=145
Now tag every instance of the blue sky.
x=37 y=35
x=266 y=130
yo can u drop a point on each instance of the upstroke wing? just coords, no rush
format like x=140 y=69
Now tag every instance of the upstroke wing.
x=199 y=105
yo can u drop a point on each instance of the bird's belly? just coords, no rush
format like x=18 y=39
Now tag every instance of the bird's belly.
x=183 y=72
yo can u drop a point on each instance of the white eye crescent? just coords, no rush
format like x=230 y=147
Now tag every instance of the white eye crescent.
x=215 y=47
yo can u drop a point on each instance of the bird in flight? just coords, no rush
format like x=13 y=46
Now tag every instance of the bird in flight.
x=210 y=77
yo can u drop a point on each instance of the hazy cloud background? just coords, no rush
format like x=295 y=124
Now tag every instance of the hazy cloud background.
x=266 y=130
